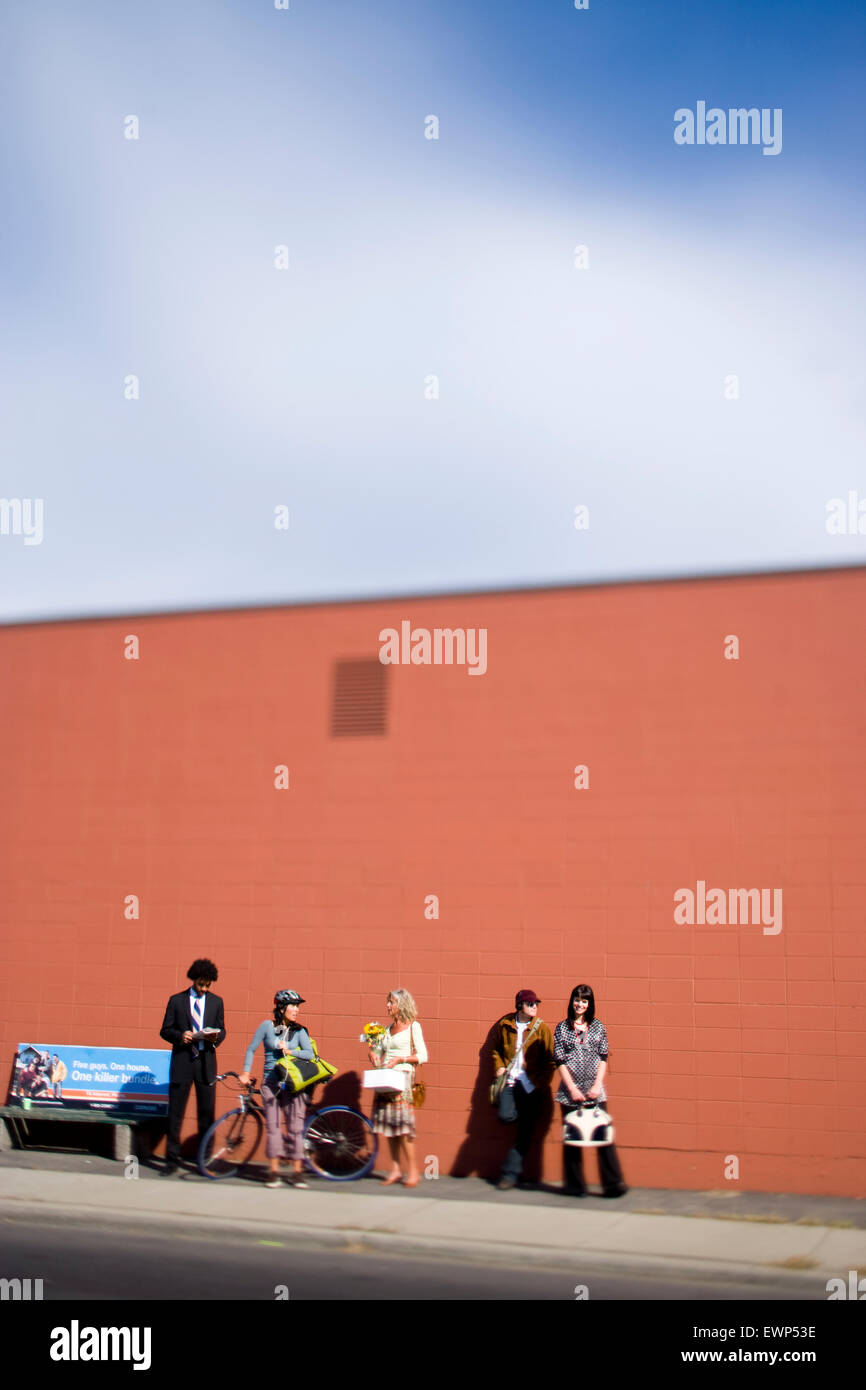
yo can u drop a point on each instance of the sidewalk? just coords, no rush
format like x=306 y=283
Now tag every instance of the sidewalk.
x=467 y=1219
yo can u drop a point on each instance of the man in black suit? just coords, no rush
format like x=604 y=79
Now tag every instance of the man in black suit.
x=193 y=1062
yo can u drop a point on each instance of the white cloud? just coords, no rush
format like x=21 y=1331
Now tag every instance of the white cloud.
x=558 y=386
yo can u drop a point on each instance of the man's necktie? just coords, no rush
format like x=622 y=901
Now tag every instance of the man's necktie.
x=196 y=1018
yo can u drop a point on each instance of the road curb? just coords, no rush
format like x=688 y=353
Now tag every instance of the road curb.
x=579 y=1265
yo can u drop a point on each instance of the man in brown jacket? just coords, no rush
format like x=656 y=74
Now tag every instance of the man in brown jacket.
x=522 y=1048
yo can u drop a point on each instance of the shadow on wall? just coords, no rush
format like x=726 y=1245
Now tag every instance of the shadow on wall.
x=487 y=1140
x=342 y=1089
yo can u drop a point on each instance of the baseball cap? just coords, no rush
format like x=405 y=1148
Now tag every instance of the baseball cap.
x=526 y=996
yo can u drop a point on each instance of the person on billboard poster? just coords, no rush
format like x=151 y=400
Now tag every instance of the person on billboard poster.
x=38 y=1086
x=24 y=1079
x=32 y=1076
x=194 y=1024
x=58 y=1076
x=17 y=1074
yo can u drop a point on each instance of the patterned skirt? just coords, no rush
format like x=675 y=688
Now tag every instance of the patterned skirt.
x=393 y=1116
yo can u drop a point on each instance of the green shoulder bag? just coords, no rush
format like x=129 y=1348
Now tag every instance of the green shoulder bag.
x=297 y=1074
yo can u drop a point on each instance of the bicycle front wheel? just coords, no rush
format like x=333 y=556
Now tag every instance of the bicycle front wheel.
x=339 y=1144
x=230 y=1143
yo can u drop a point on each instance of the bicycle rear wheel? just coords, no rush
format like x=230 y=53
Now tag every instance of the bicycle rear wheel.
x=339 y=1143
x=230 y=1143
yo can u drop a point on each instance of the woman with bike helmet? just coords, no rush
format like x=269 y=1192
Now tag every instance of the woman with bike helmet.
x=280 y=1037
x=580 y=1055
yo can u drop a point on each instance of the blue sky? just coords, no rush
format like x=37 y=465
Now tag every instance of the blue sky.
x=410 y=258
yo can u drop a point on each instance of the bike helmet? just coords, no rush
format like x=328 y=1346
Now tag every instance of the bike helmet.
x=287 y=996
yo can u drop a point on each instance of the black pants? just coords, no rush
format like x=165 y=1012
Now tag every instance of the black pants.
x=178 y=1094
x=609 y=1169
x=528 y=1105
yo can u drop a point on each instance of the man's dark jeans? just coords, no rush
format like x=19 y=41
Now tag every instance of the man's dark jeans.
x=528 y=1111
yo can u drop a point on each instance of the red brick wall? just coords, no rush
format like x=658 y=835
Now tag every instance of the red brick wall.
x=155 y=777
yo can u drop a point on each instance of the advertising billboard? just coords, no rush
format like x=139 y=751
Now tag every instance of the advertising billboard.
x=124 y=1080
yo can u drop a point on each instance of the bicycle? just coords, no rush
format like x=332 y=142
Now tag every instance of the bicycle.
x=339 y=1142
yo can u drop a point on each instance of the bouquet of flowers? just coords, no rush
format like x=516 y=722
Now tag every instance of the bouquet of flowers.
x=373 y=1034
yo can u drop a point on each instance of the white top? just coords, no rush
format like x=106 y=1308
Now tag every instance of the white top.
x=518 y=1070
x=196 y=1008
x=400 y=1045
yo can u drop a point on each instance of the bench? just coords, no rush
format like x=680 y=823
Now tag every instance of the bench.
x=128 y=1131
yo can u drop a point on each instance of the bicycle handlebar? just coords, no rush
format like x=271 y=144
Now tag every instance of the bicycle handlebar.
x=223 y=1074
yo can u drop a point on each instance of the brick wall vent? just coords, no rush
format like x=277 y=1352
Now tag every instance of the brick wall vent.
x=359 y=704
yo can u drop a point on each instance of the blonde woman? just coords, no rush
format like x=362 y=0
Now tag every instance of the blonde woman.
x=402 y=1048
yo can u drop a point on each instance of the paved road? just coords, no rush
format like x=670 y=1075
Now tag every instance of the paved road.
x=111 y=1261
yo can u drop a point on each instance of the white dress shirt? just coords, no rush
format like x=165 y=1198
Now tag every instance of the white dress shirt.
x=518 y=1072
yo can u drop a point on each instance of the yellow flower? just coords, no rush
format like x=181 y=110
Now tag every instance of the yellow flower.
x=372 y=1033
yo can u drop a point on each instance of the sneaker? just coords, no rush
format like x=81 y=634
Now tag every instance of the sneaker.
x=297 y=1181
x=506 y=1183
x=275 y=1181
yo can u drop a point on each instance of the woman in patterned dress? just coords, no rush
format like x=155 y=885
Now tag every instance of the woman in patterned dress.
x=580 y=1054
x=401 y=1047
